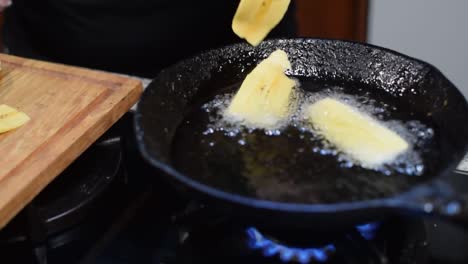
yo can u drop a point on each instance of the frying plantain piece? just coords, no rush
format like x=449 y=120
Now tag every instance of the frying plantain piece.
x=355 y=133
x=264 y=98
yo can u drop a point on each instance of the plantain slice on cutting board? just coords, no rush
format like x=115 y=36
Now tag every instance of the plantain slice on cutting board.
x=264 y=98
x=10 y=118
x=254 y=19
x=355 y=133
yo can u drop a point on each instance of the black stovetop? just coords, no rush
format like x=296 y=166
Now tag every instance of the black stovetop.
x=137 y=217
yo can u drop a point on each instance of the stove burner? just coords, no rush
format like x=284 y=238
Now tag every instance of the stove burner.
x=269 y=247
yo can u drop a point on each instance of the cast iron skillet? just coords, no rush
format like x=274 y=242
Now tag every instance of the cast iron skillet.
x=172 y=93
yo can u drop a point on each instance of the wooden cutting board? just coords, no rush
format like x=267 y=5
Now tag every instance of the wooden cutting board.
x=70 y=108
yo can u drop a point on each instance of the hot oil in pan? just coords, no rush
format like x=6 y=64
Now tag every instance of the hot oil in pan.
x=293 y=164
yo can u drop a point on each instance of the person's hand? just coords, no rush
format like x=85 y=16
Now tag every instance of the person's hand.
x=4 y=4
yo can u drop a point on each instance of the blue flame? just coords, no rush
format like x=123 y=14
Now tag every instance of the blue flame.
x=368 y=231
x=271 y=248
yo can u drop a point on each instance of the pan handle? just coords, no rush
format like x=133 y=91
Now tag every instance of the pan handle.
x=436 y=199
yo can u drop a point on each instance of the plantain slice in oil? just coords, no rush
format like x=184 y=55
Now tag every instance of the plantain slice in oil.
x=356 y=133
x=264 y=98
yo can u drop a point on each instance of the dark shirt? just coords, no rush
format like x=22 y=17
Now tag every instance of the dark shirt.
x=128 y=36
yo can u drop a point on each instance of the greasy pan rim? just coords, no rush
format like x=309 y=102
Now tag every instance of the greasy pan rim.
x=395 y=201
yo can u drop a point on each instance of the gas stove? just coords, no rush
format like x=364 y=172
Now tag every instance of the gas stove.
x=109 y=206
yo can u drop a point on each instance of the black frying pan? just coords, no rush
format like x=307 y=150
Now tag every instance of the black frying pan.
x=418 y=87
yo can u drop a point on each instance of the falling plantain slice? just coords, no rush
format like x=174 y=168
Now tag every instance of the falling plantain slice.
x=264 y=98
x=10 y=118
x=356 y=134
x=254 y=19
